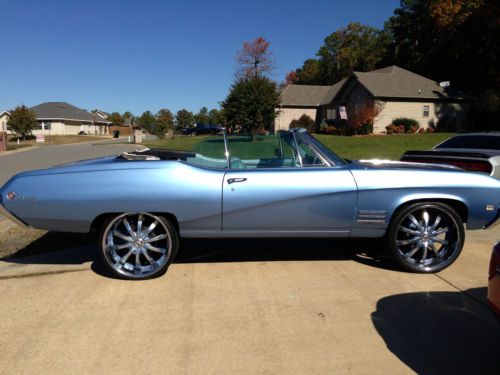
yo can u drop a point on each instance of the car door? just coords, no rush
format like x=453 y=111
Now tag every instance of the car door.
x=292 y=200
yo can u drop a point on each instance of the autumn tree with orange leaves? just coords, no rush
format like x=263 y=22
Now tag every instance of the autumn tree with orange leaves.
x=254 y=59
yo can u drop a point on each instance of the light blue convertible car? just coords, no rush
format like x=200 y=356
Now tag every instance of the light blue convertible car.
x=282 y=185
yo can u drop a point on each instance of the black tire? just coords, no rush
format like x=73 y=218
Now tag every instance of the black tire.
x=153 y=245
x=426 y=237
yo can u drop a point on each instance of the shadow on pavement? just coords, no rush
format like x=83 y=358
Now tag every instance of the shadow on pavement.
x=57 y=248
x=68 y=248
x=440 y=332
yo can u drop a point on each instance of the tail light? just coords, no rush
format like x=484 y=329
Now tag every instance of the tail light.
x=495 y=262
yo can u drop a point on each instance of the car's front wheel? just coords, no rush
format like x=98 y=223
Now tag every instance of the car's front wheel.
x=426 y=237
x=138 y=245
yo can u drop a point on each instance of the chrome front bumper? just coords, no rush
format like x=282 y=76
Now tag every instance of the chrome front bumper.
x=496 y=220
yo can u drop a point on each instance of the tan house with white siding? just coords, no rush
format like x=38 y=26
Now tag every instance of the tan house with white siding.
x=4 y=118
x=396 y=91
x=60 y=118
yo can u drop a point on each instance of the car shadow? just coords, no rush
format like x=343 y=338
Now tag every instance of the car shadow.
x=69 y=248
x=440 y=332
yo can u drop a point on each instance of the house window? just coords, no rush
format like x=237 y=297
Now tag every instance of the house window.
x=39 y=125
x=47 y=125
x=426 y=111
x=330 y=113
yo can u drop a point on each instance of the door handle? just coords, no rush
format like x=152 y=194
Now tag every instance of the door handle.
x=233 y=180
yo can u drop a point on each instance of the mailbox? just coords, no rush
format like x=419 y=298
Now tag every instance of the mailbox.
x=3 y=141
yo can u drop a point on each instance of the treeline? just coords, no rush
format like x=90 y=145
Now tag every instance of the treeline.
x=164 y=119
x=446 y=40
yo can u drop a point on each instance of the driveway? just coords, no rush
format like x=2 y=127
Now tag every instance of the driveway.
x=249 y=307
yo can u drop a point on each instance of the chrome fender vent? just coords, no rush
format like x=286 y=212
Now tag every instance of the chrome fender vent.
x=371 y=217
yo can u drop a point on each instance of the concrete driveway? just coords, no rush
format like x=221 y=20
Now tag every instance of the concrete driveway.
x=249 y=307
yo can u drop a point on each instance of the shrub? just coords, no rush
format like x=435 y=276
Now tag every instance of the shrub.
x=395 y=129
x=304 y=122
x=410 y=125
x=362 y=118
x=448 y=124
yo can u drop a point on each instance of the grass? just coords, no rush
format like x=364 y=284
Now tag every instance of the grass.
x=369 y=147
x=56 y=140
x=15 y=146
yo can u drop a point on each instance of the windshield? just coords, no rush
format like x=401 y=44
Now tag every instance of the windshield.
x=249 y=151
x=337 y=160
x=485 y=142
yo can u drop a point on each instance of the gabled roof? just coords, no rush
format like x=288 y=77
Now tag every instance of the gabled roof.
x=389 y=82
x=4 y=113
x=304 y=95
x=64 y=111
x=396 y=82
x=309 y=95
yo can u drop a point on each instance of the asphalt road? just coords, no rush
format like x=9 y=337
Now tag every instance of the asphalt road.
x=249 y=307
x=47 y=156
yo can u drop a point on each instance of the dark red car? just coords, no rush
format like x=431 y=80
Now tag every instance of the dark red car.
x=494 y=281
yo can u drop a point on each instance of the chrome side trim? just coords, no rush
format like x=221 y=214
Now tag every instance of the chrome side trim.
x=371 y=217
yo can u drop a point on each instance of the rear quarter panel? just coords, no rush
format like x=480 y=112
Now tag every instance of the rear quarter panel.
x=70 y=199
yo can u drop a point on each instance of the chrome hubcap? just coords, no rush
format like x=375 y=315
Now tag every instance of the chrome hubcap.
x=427 y=237
x=137 y=245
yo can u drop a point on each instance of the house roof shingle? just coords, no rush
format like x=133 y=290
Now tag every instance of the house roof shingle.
x=309 y=95
x=395 y=82
x=66 y=111
x=304 y=95
x=388 y=82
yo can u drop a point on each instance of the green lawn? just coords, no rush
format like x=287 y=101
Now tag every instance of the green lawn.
x=370 y=147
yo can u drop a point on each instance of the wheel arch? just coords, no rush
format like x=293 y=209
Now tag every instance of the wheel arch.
x=459 y=206
x=99 y=221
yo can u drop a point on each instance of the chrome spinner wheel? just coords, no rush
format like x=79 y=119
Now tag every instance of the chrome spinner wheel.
x=138 y=245
x=427 y=237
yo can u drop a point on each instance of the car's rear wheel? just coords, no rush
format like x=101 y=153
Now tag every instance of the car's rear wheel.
x=426 y=237
x=138 y=245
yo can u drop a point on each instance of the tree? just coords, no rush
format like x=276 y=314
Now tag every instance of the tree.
x=128 y=115
x=202 y=116
x=453 y=41
x=252 y=103
x=356 y=47
x=115 y=118
x=216 y=117
x=147 y=121
x=22 y=121
x=254 y=59
x=184 y=119
x=309 y=74
x=164 y=122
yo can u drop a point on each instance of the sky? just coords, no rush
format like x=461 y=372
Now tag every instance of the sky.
x=119 y=55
